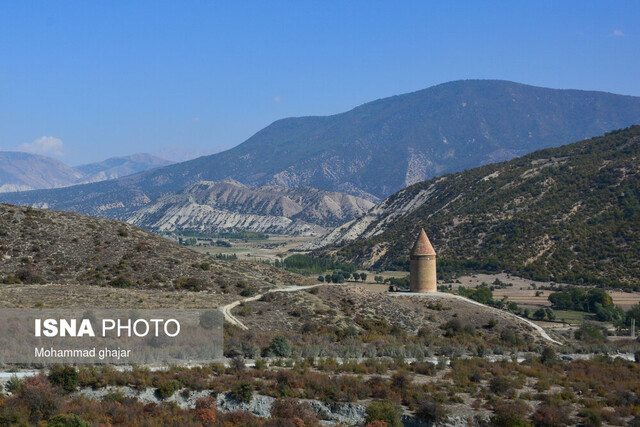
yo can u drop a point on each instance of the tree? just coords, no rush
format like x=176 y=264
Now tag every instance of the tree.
x=242 y=391
x=280 y=346
x=363 y=276
x=551 y=315
x=321 y=279
x=598 y=296
x=633 y=313
x=539 y=314
x=64 y=376
x=548 y=356
x=561 y=300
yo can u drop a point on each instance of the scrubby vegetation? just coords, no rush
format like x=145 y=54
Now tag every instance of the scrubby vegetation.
x=43 y=246
x=540 y=391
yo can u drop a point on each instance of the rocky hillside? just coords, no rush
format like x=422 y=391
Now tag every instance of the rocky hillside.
x=44 y=246
x=231 y=206
x=23 y=171
x=567 y=214
x=376 y=148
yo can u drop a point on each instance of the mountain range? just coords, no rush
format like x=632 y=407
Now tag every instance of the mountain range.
x=232 y=206
x=374 y=149
x=24 y=171
x=569 y=214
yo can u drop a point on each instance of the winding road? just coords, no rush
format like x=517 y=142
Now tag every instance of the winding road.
x=226 y=309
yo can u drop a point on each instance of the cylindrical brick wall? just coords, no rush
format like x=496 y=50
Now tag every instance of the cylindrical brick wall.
x=423 y=273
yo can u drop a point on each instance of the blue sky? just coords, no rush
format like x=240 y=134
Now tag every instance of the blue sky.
x=82 y=81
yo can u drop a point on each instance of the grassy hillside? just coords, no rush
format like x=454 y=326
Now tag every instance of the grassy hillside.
x=567 y=214
x=43 y=246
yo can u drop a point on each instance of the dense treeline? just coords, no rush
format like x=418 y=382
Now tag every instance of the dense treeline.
x=305 y=264
x=568 y=214
x=595 y=301
x=238 y=235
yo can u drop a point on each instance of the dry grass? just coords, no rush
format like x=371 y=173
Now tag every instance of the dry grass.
x=97 y=262
x=340 y=305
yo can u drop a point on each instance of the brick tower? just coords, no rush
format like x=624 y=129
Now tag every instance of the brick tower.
x=423 y=265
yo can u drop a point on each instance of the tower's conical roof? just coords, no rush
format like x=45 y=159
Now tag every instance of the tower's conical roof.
x=422 y=246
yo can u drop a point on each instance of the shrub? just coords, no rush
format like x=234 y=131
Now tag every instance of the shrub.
x=548 y=356
x=14 y=384
x=242 y=391
x=509 y=336
x=65 y=377
x=190 y=283
x=120 y=282
x=260 y=365
x=68 y=420
x=291 y=409
x=40 y=397
x=510 y=414
x=431 y=412
x=247 y=292
x=589 y=332
x=280 y=346
x=206 y=410
x=166 y=387
x=499 y=384
x=385 y=411
x=241 y=418
x=591 y=417
x=550 y=415
x=237 y=364
x=27 y=275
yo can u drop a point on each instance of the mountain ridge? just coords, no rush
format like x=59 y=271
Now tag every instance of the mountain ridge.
x=377 y=148
x=20 y=171
x=225 y=206
x=569 y=213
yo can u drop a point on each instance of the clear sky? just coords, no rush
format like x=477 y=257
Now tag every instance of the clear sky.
x=83 y=81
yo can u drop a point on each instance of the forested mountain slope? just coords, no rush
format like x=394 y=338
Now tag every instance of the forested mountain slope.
x=568 y=214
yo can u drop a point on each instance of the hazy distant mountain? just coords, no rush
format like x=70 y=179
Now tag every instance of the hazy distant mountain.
x=377 y=148
x=23 y=171
x=569 y=214
x=115 y=167
x=231 y=206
